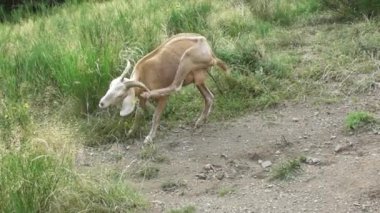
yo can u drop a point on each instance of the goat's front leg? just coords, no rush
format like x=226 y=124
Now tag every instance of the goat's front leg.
x=209 y=98
x=161 y=102
x=141 y=108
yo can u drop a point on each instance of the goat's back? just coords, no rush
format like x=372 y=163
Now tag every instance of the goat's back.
x=158 y=68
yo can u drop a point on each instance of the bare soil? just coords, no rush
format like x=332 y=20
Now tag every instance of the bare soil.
x=216 y=168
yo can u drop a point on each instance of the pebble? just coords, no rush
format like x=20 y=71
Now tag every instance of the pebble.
x=312 y=161
x=340 y=147
x=266 y=164
x=253 y=156
x=201 y=176
x=224 y=156
x=220 y=175
x=208 y=167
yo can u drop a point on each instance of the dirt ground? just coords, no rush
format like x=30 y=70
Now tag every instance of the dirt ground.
x=217 y=169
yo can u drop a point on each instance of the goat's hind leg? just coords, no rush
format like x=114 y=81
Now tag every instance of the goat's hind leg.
x=192 y=59
x=209 y=99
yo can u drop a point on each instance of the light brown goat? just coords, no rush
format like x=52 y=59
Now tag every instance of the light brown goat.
x=183 y=59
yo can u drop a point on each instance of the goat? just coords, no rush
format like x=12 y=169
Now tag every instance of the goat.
x=183 y=59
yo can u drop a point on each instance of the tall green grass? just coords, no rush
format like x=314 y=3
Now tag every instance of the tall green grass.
x=36 y=179
x=350 y=9
x=80 y=47
x=38 y=172
x=282 y=12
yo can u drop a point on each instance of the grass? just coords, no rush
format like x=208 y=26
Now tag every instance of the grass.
x=185 y=209
x=225 y=191
x=38 y=173
x=37 y=179
x=359 y=120
x=287 y=170
x=283 y=12
x=148 y=172
x=151 y=152
x=170 y=185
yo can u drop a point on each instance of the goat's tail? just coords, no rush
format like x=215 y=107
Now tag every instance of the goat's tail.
x=221 y=64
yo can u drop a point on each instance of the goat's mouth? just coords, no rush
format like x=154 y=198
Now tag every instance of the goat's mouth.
x=102 y=105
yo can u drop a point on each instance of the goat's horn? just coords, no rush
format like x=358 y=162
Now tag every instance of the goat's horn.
x=126 y=70
x=133 y=83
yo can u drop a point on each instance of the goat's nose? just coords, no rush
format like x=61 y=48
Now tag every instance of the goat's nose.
x=101 y=104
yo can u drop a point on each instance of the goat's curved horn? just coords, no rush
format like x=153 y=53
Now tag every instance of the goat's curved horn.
x=133 y=83
x=126 y=70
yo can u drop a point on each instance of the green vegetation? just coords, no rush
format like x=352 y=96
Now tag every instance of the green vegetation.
x=148 y=172
x=56 y=62
x=359 y=120
x=171 y=185
x=151 y=152
x=225 y=191
x=282 y=12
x=186 y=209
x=37 y=179
x=350 y=9
x=287 y=170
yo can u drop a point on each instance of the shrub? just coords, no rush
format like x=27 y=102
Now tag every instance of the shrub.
x=287 y=170
x=360 y=119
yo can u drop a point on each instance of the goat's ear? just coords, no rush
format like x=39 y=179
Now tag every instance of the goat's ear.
x=128 y=104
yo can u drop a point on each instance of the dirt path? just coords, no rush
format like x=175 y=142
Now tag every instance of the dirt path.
x=217 y=169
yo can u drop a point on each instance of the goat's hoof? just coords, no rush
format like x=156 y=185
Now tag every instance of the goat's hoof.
x=131 y=133
x=145 y=95
x=148 y=140
x=199 y=123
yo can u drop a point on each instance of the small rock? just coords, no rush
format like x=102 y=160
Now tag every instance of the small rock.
x=201 y=176
x=209 y=167
x=295 y=119
x=253 y=156
x=224 y=156
x=220 y=175
x=278 y=152
x=312 y=161
x=340 y=147
x=157 y=202
x=332 y=137
x=269 y=186
x=266 y=164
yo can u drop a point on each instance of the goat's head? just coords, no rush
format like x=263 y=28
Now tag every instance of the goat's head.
x=121 y=91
